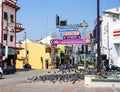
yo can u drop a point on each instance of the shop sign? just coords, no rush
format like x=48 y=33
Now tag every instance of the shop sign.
x=70 y=41
x=11 y=51
x=116 y=33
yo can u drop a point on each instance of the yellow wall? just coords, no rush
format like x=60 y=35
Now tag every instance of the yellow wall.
x=36 y=51
x=62 y=48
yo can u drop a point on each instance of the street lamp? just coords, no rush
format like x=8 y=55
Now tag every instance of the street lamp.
x=84 y=25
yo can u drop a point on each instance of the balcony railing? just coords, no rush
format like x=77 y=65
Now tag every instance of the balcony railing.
x=19 y=27
x=19 y=45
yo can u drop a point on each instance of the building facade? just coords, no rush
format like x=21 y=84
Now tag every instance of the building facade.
x=38 y=55
x=8 y=29
x=110 y=35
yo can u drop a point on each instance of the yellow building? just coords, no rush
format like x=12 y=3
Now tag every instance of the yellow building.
x=37 y=55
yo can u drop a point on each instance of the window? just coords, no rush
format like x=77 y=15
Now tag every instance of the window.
x=18 y=52
x=27 y=52
x=11 y=38
x=11 y=18
x=5 y=36
x=115 y=16
x=5 y=15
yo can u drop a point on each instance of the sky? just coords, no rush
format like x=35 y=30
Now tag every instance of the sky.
x=38 y=17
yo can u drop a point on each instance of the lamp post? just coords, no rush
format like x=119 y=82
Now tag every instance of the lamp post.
x=84 y=25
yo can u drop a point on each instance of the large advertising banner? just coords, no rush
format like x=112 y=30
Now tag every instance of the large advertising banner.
x=70 y=41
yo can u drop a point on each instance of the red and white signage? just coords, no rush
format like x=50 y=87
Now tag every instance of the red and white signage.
x=116 y=33
x=72 y=33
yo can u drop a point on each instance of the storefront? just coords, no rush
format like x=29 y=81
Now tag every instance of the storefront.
x=12 y=56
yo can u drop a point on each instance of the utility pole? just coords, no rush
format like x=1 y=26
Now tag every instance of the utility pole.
x=98 y=38
x=25 y=46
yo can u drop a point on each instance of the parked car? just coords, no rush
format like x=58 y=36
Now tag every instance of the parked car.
x=114 y=67
x=1 y=73
x=10 y=69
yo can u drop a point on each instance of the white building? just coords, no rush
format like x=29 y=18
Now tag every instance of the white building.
x=8 y=29
x=110 y=35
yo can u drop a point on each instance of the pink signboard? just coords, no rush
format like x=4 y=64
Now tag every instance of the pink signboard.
x=70 y=41
x=71 y=33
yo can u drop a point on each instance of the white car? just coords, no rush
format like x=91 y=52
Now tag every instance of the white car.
x=1 y=73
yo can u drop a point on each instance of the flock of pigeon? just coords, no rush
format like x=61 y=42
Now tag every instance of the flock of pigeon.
x=62 y=75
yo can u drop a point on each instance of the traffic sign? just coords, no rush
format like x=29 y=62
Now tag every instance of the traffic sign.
x=52 y=41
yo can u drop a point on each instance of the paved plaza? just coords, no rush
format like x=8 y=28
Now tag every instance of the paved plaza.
x=50 y=87
x=18 y=83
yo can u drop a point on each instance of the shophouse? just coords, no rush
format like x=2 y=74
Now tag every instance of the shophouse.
x=37 y=54
x=110 y=35
x=33 y=54
x=8 y=29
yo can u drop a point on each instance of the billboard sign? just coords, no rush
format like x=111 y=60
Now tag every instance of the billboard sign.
x=67 y=29
x=70 y=41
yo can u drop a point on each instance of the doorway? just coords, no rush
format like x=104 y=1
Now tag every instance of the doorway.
x=46 y=64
